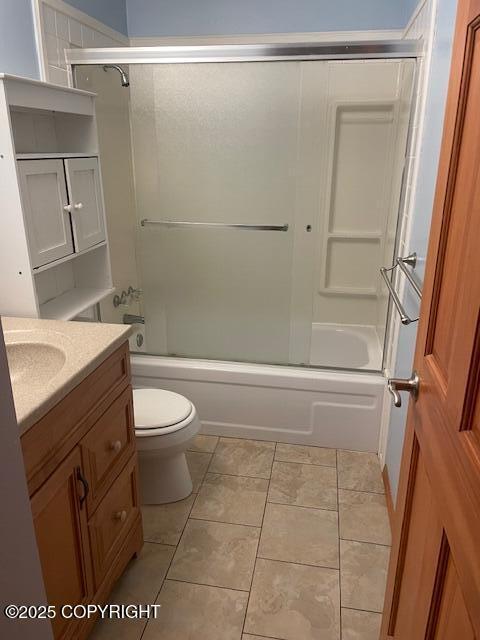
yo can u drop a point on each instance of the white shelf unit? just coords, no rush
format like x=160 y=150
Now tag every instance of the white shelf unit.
x=43 y=122
x=71 y=303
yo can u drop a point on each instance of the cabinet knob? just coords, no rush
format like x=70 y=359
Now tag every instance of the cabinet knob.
x=78 y=205
x=67 y=208
x=116 y=445
x=121 y=516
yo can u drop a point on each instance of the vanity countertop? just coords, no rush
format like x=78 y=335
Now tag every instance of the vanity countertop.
x=48 y=358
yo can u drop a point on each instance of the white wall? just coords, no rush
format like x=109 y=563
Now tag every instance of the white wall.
x=20 y=576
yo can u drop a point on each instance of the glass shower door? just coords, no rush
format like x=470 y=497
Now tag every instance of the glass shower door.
x=216 y=143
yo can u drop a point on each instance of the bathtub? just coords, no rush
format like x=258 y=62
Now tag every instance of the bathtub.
x=284 y=404
x=345 y=346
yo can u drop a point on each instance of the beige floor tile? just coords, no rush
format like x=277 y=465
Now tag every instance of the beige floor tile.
x=198 y=465
x=204 y=443
x=363 y=517
x=233 y=499
x=139 y=584
x=299 y=534
x=248 y=636
x=118 y=629
x=359 y=471
x=144 y=575
x=305 y=485
x=363 y=574
x=360 y=625
x=305 y=455
x=197 y=612
x=165 y=522
x=294 y=602
x=243 y=457
x=217 y=554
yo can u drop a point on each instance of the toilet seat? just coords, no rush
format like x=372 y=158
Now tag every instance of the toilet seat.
x=158 y=412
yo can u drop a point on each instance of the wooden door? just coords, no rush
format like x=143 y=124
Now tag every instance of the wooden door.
x=86 y=202
x=433 y=589
x=62 y=536
x=44 y=197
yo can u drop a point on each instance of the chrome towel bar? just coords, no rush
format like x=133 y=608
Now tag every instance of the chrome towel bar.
x=215 y=225
x=402 y=263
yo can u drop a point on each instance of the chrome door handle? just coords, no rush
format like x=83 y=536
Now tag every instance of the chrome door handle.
x=395 y=385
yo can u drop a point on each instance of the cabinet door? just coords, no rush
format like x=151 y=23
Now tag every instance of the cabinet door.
x=44 y=196
x=84 y=188
x=62 y=536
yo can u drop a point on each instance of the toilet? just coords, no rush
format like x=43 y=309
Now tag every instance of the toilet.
x=165 y=425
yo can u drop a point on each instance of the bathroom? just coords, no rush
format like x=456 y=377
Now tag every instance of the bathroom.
x=221 y=362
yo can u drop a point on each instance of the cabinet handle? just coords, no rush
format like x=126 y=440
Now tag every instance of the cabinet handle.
x=84 y=483
x=121 y=516
x=78 y=205
x=116 y=445
x=67 y=208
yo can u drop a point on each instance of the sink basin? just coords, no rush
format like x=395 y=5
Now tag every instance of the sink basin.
x=32 y=359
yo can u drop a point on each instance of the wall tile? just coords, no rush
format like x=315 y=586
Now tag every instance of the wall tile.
x=51 y=44
x=57 y=76
x=88 y=37
x=61 y=21
x=74 y=32
x=62 y=45
x=49 y=20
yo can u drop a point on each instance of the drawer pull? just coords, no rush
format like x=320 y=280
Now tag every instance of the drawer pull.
x=85 y=486
x=121 y=516
x=116 y=445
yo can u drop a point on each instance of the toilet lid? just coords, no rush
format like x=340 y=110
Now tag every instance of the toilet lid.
x=157 y=408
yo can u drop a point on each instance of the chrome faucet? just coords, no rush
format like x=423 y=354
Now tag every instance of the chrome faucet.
x=129 y=318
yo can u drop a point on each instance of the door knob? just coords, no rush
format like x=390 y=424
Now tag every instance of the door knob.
x=395 y=385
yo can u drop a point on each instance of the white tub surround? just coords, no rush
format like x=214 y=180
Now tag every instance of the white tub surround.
x=292 y=405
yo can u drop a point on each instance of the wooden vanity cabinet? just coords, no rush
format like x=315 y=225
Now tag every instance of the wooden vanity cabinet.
x=81 y=466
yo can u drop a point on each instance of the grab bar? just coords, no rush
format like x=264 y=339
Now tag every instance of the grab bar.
x=402 y=263
x=216 y=225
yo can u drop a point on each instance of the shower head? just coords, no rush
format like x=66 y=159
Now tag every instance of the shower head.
x=123 y=75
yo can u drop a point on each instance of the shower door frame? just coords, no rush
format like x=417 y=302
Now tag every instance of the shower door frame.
x=267 y=52
x=182 y=54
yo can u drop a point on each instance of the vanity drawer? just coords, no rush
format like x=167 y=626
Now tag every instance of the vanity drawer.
x=113 y=519
x=107 y=446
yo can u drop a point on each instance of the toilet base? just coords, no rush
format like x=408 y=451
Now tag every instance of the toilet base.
x=163 y=479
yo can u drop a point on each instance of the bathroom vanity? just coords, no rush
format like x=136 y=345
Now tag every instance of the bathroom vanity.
x=73 y=397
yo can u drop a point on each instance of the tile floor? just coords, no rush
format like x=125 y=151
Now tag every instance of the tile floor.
x=277 y=541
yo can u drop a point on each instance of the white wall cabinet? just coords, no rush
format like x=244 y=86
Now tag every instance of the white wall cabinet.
x=54 y=254
x=86 y=203
x=44 y=196
x=61 y=197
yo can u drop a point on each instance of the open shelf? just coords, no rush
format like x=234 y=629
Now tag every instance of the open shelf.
x=72 y=256
x=71 y=303
x=50 y=156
